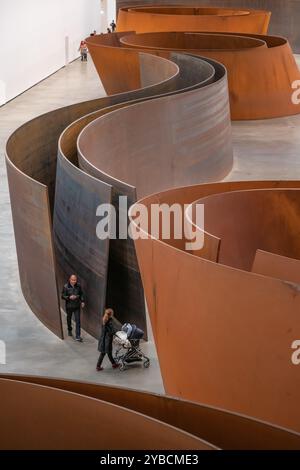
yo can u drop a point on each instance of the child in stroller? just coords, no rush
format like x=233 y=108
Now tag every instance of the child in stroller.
x=128 y=342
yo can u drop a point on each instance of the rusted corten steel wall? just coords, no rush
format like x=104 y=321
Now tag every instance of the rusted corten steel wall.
x=285 y=14
x=56 y=419
x=280 y=267
x=130 y=71
x=110 y=277
x=266 y=64
x=218 y=428
x=78 y=249
x=181 y=138
x=158 y=154
x=203 y=78
x=268 y=220
x=33 y=228
x=111 y=63
x=144 y=18
x=31 y=164
x=237 y=326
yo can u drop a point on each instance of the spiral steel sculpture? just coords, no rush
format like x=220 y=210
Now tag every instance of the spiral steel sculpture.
x=170 y=18
x=284 y=21
x=108 y=271
x=261 y=69
x=168 y=112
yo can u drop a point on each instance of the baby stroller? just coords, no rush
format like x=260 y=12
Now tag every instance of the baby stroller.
x=128 y=346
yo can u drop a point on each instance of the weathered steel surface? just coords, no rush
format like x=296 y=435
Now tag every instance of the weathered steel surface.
x=78 y=249
x=129 y=71
x=58 y=420
x=217 y=427
x=253 y=95
x=33 y=235
x=285 y=14
x=272 y=265
x=178 y=139
x=31 y=161
x=124 y=291
x=30 y=171
x=169 y=18
x=183 y=73
x=170 y=145
x=267 y=219
x=238 y=325
x=34 y=146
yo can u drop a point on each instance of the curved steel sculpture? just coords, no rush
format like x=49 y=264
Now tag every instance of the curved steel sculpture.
x=237 y=349
x=186 y=18
x=47 y=423
x=111 y=276
x=253 y=95
x=163 y=157
x=285 y=16
x=179 y=111
x=33 y=233
x=177 y=422
x=31 y=167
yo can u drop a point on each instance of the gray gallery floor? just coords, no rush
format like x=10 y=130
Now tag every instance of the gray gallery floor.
x=263 y=150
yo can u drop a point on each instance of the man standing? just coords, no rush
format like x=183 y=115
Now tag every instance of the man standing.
x=73 y=295
x=113 y=26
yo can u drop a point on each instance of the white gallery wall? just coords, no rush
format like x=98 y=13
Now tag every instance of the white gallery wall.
x=38 y=37
x=108 y=13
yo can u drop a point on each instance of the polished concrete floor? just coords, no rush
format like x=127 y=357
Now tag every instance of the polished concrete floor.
x=263 y=150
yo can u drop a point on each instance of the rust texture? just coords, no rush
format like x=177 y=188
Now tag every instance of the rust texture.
x=111 y=275
x=31 y=157
x=216 y=428
x=181 y=138
x=184 y=18
x=57 y=419
x=266 y=64
x=234 y=302
x=33 y=230
x=211 y=297
x=32 y=226
x=78 y=250
x=285 y=17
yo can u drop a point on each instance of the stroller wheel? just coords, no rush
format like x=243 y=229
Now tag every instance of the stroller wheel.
x=146 y=364
x=122 y=366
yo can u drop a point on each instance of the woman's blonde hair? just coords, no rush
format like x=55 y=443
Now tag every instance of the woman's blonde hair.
x=108 y=312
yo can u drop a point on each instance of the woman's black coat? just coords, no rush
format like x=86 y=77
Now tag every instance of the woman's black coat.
x=106 y=338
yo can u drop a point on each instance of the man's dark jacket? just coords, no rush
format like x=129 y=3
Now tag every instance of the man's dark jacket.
x=69 y=290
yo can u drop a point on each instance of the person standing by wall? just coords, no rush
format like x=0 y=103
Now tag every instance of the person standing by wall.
x=113 y=26
x=73 y=295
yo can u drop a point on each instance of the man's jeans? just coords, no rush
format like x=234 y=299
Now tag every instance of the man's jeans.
x=77 y=320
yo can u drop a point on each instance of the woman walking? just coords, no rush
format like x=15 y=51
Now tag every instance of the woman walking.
x=106 y=339
x=83 y=51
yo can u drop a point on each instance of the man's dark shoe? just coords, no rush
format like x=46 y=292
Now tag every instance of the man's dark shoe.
x=79 y=339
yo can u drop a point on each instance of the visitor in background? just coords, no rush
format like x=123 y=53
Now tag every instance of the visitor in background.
x=108 y=30
x=73 y=295
x=113 y=25
x=93 y=33
x=106 y=339
x=83 y=51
